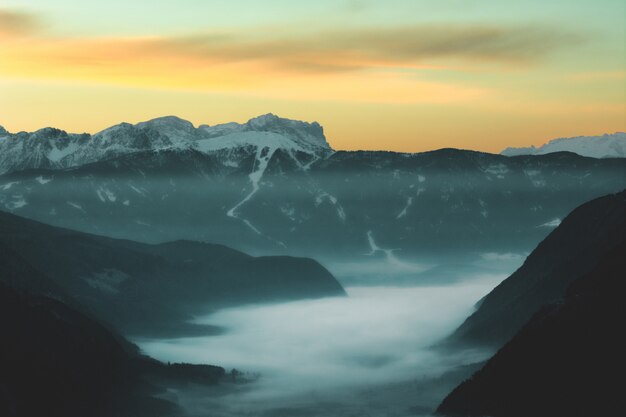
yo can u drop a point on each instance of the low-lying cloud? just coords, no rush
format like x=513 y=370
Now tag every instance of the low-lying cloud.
x=316 y=352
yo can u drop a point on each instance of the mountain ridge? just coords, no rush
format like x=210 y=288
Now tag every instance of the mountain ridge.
x=609 y=145
x=570 y=251
x=143 y=288
x=60 y=360
x=562 y=361
x=55 y=148
x=260 y=200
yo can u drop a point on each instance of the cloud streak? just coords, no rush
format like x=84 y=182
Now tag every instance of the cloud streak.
x=326 y=51
x=15 y=23
x=365 y=48
x=366 y=65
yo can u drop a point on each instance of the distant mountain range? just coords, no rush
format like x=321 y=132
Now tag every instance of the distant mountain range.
x=605 y=146
x=263 y=185
x=54 y=148
x=565 y=308
x=150 y=289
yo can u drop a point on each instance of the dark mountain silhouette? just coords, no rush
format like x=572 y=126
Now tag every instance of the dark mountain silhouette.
x=568 y=253
x=57 y=362
x=142 y=288
x=564 y=362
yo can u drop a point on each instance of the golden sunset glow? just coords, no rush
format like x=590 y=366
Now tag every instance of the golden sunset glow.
x=374 y=81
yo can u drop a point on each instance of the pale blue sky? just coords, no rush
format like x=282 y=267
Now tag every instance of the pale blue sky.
x=133 y=17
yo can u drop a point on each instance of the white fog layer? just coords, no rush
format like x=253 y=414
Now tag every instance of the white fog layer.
x=377 y=340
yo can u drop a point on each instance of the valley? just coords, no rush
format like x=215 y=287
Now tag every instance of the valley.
x=250 y=269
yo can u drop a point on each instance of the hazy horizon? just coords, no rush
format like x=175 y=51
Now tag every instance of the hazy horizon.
x=330 y=141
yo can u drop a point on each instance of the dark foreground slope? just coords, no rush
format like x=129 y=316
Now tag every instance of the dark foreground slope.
x=571 y=251
x=564 y=362
x=57 y=361
x=144 y=288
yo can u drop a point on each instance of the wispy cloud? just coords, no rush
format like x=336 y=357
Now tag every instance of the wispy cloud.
x=15 y=23
x=367 y=64
x=322 y=51
x=364 y=48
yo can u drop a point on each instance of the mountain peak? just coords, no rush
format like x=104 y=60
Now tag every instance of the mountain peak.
x=3 y=131
x=263 y=120
x=170 y=122
x=49 y=133
x=303 y=132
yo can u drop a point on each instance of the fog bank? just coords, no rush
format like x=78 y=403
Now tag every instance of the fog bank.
x=313 y=353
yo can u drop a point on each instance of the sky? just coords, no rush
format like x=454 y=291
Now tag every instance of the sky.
x=402 y=75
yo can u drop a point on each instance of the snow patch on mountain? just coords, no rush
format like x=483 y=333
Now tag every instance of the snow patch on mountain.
x=605 y=146
x=391 y=258
x=498 y=170
x=42 y=180
x=8 y=185
x=263 y=155
x=323 y=195
x=76 y=206
x=409 y=203
x=17 y=203
x=137 y=190
x=551 y=224
x=56 y=154
x=243 y=139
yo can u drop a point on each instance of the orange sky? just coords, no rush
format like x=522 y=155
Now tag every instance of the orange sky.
x=485 y=83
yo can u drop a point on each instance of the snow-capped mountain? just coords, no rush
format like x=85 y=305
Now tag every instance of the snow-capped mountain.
x=308 y=137
x=54 y=148
x=605 y=146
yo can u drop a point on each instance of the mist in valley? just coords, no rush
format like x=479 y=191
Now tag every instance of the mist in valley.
x=373 y=352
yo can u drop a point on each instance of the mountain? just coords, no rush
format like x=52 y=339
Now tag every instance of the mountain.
x=349 y=205
x=563 y=362
x=262 y=185
x=571 y=251
x=141 y=288
x=605 y=146
x=57 y=360
x=54 y=148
